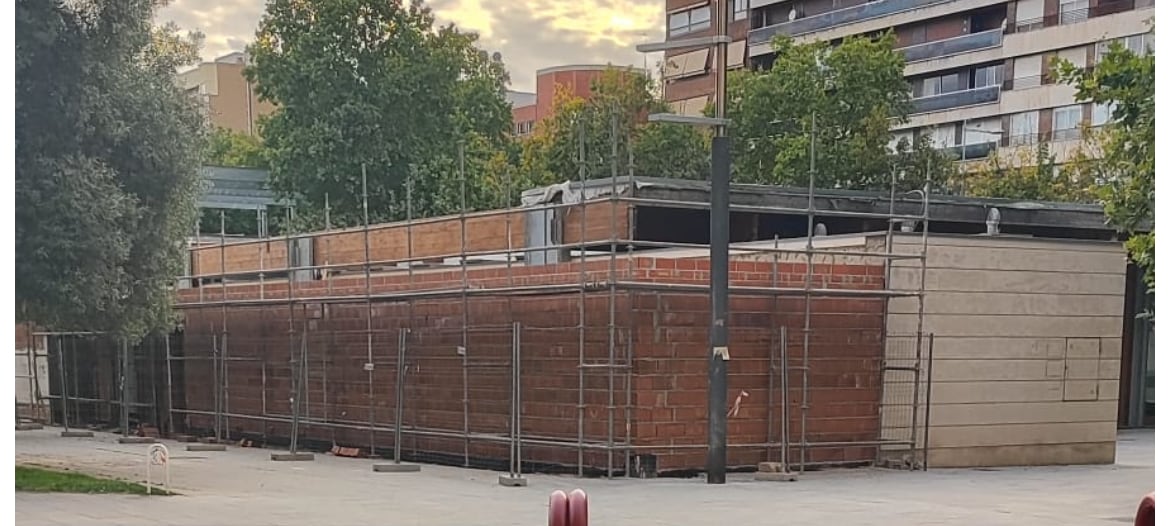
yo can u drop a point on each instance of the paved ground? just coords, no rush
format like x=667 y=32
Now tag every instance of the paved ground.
x=242 y=487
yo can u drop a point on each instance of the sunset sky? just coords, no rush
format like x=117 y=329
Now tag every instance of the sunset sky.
x=531 y=34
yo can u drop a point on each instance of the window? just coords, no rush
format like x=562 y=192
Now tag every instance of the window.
x=739 y=9
x=1075 y=55
x=982 y=131
x=988 y=76
x=1103 y=113
x=1025 y=128
x=691 y=20
x=736 y=53
x=1026 y=72
x=1138 y=44
x=942 y=136
x=898 y=137
x=931 y=86
x=524 y=128
x=1066 y=123
x=1029 y=15
x=1073 y=11
x=686 y=64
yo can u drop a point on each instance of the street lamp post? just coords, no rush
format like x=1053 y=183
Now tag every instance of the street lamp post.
x=720 y=237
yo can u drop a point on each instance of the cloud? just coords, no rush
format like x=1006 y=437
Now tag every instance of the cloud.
x=530 y=34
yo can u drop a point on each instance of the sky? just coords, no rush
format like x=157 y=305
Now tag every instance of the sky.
x=530 y=34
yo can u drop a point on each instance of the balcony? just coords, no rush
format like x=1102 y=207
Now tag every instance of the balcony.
x=972 y=151
x=1071 y=16
x=848 y=15
x=956 y=99
x=953 y=46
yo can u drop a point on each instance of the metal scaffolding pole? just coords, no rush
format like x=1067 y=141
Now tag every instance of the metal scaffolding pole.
x=581 y=263
x=64 y=383
x=122 y=387
x=808 y=273
x=224 y=427
x=464 y=344
x=369 y=366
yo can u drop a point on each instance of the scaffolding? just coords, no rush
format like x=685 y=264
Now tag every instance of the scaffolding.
x=462 y=370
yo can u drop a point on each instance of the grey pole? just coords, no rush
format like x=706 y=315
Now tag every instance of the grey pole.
x=720 y=239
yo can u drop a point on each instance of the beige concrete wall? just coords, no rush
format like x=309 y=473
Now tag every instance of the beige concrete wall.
x=1026 y=349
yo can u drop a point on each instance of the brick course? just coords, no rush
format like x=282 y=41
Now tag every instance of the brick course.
x=663 y=335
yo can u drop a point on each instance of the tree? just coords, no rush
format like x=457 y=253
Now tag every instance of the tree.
x=846 y=97
x=368 y=83
x=612 y=119
x=107 y=159
x=238 y=150
x=1124 y=80
x=1032 y=174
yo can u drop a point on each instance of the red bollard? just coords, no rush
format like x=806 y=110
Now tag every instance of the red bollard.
x=558 y=509
x=570 y=509
x=578 y=508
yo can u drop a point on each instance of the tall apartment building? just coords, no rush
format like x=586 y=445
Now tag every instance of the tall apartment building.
x=977 y=68
x=227 y=98
x=530 y=108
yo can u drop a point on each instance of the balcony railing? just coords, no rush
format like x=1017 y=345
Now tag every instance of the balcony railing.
x=956 y=99
x=972 y=151
x=953 y=46
x=1071 y=16
x=848 y=15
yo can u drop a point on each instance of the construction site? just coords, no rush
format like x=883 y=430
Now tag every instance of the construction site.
x=570 y=334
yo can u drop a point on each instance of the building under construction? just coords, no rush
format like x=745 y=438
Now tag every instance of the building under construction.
x=571 y=334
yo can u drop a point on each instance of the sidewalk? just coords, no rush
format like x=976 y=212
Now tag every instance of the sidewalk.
x=243 y=487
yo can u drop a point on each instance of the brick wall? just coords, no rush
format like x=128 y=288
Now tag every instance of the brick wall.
x=662 y=334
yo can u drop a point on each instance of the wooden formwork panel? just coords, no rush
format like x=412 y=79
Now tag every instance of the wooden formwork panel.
x=241 y=257
x=604 y=220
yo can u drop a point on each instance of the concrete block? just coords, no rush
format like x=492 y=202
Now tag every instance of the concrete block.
x=397 y=468
x=773 y=476
x=292 y=457
x=771 y=467
x=136 y=440
x=513 y=482
x=206 y=447
x=184 y=438
x=28 y=426
x=77 y=434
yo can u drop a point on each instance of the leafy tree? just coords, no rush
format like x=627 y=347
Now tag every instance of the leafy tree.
x=239 y=150
x=1125 y=81
x=107 y=159
x=849 y=95
x=1032 y=174
x=367 y=83
x=613 y=116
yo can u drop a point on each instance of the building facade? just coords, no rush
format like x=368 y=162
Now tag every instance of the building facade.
x=530 y=108
x=977 y=68
x=227 y=99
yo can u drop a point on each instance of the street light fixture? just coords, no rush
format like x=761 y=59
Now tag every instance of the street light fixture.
x=720 y=235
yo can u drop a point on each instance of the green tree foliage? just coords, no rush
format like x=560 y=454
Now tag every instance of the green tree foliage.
x=849 y=95
x=373 y=83
x=238 y=150
x=614 y=116
x=1124 y=80
x=107 y=157
x=1031 y=175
